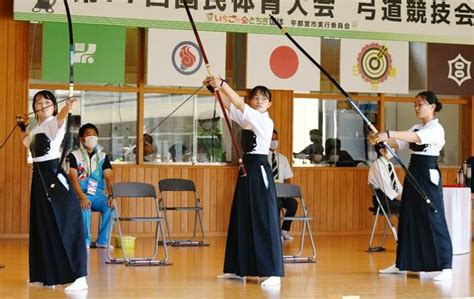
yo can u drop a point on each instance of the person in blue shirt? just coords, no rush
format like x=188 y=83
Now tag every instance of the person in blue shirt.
x=91 y=174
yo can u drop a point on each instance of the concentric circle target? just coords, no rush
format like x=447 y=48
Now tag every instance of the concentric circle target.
x=374 y=63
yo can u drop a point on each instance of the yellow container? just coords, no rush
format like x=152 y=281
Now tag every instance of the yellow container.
x=128 y=242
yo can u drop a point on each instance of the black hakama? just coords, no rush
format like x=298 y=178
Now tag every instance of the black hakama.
x=253 y=240
x=57 y=249
x=424 y=243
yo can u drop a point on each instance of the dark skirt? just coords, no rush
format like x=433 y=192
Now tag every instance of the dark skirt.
x=57 y=249
x=253 y=240
x=424 y=243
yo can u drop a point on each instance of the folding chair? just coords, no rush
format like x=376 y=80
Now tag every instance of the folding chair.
x=137 y=191
x=289 y=190
x=182 y=185
x=381 y=206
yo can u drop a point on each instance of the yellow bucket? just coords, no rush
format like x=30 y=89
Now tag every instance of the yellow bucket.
x=128 y=242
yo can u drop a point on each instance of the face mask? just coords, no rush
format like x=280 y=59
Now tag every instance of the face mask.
x=317 y=158
x=148 y=158
x=273 y=144
x=202 y=158
x=333 y=158
x=91 y=141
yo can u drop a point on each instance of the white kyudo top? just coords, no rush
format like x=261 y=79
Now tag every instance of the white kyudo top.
x=56 y=135
x=431 y=136
x=260 y=123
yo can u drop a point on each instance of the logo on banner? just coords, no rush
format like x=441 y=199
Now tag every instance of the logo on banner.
x=284 y=62
x=186 y=58
x=47 y=5
x=459 y=69
x=84 y=53
x=374 y=64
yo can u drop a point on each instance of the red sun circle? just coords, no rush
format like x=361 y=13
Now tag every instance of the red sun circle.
x=284 y=62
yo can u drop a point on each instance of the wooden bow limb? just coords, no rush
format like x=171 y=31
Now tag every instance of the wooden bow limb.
x=216 y=91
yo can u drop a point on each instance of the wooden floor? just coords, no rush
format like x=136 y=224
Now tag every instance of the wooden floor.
x=343 y=268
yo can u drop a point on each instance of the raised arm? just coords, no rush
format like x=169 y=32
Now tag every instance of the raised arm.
x=62 y=115
x=229 y=96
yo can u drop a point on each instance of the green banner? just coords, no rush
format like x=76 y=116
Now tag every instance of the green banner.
x=99 y=55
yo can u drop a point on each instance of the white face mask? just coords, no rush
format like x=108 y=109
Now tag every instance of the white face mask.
x=273 y=145
x=91 y=141
x=333 y=158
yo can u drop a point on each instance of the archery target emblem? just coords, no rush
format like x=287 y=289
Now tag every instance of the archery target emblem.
x=186 y=58
x=374 y=64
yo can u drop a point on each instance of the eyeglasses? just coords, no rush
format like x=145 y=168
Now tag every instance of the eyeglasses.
x=263 y=99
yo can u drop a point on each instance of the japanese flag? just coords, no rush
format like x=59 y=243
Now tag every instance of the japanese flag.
x=275 y=62
x=174 y=58
x=374 y=66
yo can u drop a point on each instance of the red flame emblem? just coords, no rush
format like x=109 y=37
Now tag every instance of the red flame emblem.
x=187 y=57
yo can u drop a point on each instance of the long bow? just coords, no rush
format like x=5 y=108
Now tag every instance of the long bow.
x=409 y=175
x=68 y=137
x=216 y=91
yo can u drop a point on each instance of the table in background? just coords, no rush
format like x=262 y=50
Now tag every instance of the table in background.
x=457 y=206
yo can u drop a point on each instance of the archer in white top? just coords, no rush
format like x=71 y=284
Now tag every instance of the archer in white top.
x=55 y=134
x=431 y=139
x=255 y=194
x=51 y=123
x=259 y=122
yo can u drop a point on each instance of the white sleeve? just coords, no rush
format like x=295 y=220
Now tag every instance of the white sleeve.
x=380 y=179
x=252 y=119
x=285 y=166
x=404 y=144
x=27 y=141
x=53 y=128
x=260 y=122
x=433 y=134
x=235 y=114
x=374 y=176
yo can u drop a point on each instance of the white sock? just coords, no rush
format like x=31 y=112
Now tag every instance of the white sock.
x=271 y=281
x=79 y=284
x=231 y=276
x=391 y=270
x=446 y=274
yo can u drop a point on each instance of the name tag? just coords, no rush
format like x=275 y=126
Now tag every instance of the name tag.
x=92 y=186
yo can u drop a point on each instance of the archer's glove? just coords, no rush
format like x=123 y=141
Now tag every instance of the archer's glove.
x=22 y=123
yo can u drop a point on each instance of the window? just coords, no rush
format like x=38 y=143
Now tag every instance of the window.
x=184 y=128
x=330 y=132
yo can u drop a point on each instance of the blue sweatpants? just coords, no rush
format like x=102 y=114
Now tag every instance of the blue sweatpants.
x=99 y=204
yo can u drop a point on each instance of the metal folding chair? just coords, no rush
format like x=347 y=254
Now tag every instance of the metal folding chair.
x=289 y=190
x=381 y=207
x=182 y=185
x=137 y=191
